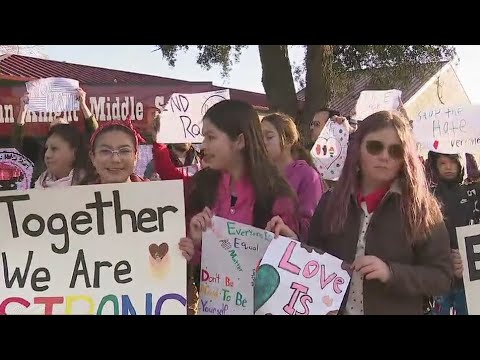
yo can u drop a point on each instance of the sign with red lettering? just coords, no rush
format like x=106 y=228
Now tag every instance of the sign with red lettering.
x=448 y=129
x=295 y=279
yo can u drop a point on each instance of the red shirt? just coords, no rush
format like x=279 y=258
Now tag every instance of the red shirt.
x=373 y=199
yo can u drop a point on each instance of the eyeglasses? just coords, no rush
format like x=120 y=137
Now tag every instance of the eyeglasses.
x=123 y=153
x=375 y=147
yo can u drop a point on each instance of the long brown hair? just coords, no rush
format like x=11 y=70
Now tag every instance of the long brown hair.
x=420 y=210
x=234 y=118
x=289 y=135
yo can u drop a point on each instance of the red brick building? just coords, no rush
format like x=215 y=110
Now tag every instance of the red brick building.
x=141 y=94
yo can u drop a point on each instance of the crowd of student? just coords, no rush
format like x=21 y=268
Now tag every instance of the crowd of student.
x=390 y=214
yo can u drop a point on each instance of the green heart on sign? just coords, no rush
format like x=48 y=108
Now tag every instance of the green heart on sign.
x=266 y=283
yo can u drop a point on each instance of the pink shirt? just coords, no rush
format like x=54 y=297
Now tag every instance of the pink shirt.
x=242 y=211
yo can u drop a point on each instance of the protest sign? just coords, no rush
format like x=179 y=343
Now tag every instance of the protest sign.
x=372 y=101
x=183 y=114
x=231 y=253
x=295 y=279
x=330 y=150
x=52 y=95
x=448 y=129
x=98 y=249
x=145 y=155
x=15 y=170
x=469 y=246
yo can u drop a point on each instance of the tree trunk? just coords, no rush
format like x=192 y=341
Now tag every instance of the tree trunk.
x=318 y=84
x=277 y=79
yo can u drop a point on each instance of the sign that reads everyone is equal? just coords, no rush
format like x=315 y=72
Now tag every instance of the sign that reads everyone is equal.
x=231 y=252
x=99 y=249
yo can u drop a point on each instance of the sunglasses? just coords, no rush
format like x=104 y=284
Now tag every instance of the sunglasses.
x=375 y=147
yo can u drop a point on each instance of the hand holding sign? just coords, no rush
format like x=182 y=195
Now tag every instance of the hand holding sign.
x=372 y=268
x=199 y=223
x=187 y=248
x=457 y=263
x=278 y=227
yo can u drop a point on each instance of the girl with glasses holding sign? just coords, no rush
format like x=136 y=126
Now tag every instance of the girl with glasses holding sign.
x=113 y=155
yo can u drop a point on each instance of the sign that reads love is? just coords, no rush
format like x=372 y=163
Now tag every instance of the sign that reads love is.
x=107 y=250
x=295 y=279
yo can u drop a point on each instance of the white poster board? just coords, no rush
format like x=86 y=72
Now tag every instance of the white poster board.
x=469 y=246
x=52 y=95
x=109 y=249
x=145 y=155
x=449 y=129
x=372 y=101
x=231 y=253
x=295 y=279
x=15 y=170
x=182 y=116
x=330 y=150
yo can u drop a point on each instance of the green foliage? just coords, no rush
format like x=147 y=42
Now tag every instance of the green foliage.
x=208 y=55
x=387 y=65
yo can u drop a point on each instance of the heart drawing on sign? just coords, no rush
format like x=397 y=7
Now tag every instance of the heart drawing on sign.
x=328 y=151
x=327 y=300
x=158 y=252
x=435 y=144
x=266 y=283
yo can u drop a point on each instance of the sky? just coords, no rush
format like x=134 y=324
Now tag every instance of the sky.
x=245 y=75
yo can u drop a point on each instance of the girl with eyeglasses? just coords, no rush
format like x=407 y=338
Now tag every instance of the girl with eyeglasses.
x=113 y=155
x=383 y=220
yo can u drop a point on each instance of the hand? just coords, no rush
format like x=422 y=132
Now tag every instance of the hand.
x=278 y=227
x=155 y=177
x=156 y=123
x=339 y=119
x=24 y=100
x=198 y=224
x=457 y=263
x=371 y=267
x=81 y=96
x=187 y=248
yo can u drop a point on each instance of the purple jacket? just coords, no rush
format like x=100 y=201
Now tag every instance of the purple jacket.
x=306 y=182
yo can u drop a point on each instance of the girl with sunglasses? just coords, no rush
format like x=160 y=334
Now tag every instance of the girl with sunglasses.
x=382 y=219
